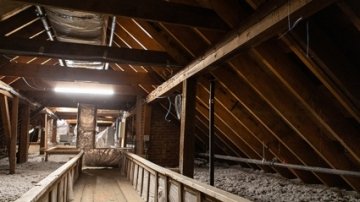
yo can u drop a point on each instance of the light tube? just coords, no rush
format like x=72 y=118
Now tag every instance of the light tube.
x=94 y=91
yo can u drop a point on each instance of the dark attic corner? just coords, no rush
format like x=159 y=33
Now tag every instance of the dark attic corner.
x=179 y=100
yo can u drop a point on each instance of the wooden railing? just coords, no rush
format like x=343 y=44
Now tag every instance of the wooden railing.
x=155 y=183
x=58 y=186
x=61 y=150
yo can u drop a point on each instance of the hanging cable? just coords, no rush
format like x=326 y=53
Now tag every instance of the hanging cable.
x=307 y=39
x=33 y=87
x=290 y=27
x=169 y=110
x=178 y=106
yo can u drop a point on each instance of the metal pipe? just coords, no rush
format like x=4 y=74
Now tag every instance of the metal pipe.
x=211 y=131
x=36 y=105
x=287 y=165
x=47 y=29
x=113 y=24
x=8 y=88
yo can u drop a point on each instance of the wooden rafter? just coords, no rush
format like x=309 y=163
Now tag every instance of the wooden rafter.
x=286 y=107
x=244 y=36
x=253 y=131
x=229 y=134
x=324 y=63
x=155 y=10
x=266 y=117
x=239 y=130
x=88 y=52
x=17 y=21
x=303 y=89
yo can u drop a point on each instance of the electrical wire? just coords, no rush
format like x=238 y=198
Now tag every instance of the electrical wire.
x=290 y=27
x=178 y=106
x=28 y=84
x=307 y=39
x=168 y=112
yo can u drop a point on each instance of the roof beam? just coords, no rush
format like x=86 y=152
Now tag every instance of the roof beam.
x=58 y=73
x=243 y=37
x=155 y=10
x=63 y=50
x=293 y=113
x=303 y=89
x=238 y=118
x=249 y=102
x=20 y=19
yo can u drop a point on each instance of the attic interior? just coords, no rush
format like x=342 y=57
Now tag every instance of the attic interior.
x=275 y=81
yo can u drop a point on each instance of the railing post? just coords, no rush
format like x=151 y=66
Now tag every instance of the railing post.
x=156 y=191
x=166 y=189
x=141 y=181
x=148 y=187
x=70 y=191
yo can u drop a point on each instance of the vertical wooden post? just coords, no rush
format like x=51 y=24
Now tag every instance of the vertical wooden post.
x=147 y=127
x=211 y=131
x=122 y=125
x=13 y=138
x=53 y=131
x=43 y=138
x=24 y=134
x=5 y=117
x=139 y=146
x=187 y=128
x=50 y=130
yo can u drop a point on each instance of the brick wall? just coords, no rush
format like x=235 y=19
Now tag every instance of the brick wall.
x=164 y=139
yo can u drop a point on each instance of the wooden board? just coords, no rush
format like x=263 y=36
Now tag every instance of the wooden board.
x=104 y=185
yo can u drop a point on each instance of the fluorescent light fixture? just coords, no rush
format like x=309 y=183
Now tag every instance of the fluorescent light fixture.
x=95 y=91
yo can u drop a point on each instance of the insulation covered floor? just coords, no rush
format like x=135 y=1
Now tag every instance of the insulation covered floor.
x=27 y=175
x=259 y=186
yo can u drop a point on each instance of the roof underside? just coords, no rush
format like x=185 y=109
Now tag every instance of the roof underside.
x=294 y=91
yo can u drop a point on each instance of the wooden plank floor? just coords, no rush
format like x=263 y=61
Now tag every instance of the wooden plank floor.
x=104 y=184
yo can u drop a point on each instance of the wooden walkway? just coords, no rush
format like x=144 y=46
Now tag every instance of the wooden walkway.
x=104 y=185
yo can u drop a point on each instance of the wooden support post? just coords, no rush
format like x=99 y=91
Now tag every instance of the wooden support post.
x=187 y=128
x=211 y=131
x=43 y=138
x=147 y=127
x=139 y=146
x=5 y=117
x=13 y=138
x=24 y=134
x=122 y=133
x=54 y=131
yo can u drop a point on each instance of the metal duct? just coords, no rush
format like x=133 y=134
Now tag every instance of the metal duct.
x=113 y=25
x=78 y=27
x=47 y=28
